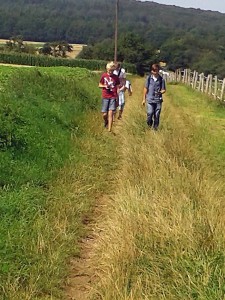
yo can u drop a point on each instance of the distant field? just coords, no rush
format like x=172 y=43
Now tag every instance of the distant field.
x=76 y=47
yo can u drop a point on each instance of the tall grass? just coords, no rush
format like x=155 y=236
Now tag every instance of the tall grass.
x=54 y=164
x=166 y=219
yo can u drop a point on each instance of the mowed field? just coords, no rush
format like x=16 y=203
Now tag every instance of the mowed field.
x=76 y=47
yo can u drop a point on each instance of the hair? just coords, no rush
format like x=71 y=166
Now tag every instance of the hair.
x=155 y=67
x=110 y=65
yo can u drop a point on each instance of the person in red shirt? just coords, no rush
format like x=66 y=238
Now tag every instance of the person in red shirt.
x=109 y=83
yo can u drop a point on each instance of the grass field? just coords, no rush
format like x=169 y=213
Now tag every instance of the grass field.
x=159 y=233
x=50 y=176
x=163 y=234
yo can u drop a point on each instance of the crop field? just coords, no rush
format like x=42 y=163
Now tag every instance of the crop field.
x=76 y=47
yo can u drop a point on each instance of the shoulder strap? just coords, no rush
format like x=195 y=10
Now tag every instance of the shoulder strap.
x=149 y=77
x=119 y=72
x=160 y=81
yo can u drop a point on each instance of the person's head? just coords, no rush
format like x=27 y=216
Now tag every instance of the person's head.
x=110 y=67
x=155 y=69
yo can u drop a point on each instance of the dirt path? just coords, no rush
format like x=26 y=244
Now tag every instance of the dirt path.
x=83 y=270
x=83 y=276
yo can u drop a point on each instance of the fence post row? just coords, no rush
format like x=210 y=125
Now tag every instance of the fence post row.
x=209 y=85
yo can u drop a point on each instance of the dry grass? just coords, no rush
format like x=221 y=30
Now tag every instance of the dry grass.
x=163 y=236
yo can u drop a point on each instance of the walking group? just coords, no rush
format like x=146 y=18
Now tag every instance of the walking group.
x=113 y=83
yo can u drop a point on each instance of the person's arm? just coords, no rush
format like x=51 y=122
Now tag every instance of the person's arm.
x=163 y=88
x=144 y=95
x=122 y=88
x=101 y=85
x=130 y=90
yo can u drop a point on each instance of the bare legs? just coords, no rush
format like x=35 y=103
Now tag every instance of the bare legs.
x=108 y=119
x=120 y=114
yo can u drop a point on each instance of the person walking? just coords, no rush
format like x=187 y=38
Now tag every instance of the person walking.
x=109 y=83
x=154 y=88
x=121 y=95
x=129 y=87
x=119 y=71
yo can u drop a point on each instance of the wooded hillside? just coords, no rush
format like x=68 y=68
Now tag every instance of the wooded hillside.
x=186 y=37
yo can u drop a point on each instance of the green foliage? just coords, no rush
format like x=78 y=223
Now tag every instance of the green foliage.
x=39 y=60
x=35 y=135
x=183 y=36
x=43 y=123
x=56 y=49
x=131 y=49
x=16 y=44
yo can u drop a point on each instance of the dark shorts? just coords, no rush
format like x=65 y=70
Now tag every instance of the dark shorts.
x=108 y=104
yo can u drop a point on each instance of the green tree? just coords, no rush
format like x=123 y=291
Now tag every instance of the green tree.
x=15 y=44
x=56 y=49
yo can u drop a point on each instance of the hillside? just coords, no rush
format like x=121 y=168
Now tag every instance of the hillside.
x=80 y=21
x=185 y=37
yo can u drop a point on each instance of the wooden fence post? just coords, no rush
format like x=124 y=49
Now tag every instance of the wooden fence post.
x=193 y=79
x=210 y=84
x=215 y=87
x=177 y=75
x=207 y=84
x=222 y=90
x=189 y=77
x=180 y=76
x=196 y=80
x=200 y=82
x=184 y=74
x=203 y=82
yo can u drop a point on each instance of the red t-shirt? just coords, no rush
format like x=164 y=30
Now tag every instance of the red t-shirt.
x=112 y=81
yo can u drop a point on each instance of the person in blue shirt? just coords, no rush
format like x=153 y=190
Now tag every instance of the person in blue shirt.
x=154 y=88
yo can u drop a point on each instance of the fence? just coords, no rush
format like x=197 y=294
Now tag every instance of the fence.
x=209 y=85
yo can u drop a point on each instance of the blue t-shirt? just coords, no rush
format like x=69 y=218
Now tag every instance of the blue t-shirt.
x=153 y=95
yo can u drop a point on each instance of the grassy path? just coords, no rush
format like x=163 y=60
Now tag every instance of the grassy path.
x=161 y=232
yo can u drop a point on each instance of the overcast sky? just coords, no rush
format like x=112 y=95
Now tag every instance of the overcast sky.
x=216 y=5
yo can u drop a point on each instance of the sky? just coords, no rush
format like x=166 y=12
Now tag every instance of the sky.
x=216 y=5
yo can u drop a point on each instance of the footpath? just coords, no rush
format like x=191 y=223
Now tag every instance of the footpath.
x=163 y=220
